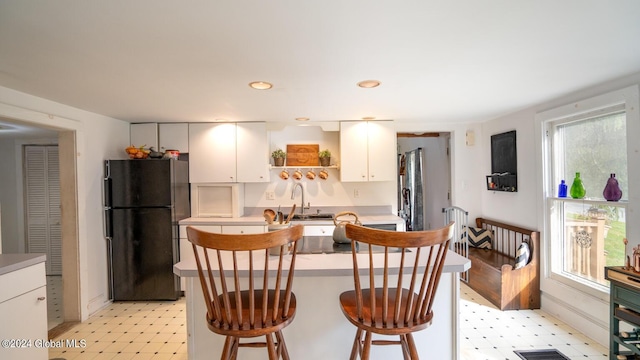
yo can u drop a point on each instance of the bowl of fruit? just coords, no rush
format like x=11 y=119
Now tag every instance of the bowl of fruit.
x=137 y=152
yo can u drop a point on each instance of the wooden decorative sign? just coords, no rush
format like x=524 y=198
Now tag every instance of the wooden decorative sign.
x=303 y=155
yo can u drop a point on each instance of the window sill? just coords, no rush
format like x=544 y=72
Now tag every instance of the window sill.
x=592 y=201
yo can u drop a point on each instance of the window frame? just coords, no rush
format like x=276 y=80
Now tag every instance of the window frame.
x=626 y=100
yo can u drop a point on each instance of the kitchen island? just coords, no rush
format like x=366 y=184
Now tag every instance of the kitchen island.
x=320 y=330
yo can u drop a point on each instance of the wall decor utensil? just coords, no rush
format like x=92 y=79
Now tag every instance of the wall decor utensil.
x=311 y=175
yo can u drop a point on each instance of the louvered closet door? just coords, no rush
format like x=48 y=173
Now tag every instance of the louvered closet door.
x=42 y=204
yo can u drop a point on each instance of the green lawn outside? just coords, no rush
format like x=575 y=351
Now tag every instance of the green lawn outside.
x=613 y=245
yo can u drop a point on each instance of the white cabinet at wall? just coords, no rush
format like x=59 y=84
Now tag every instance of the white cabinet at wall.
x=173 y=137
x=252 y=152
x=228 y=152
x=23 y=310
x=213 y=152
x=164 y=136
x=144 y=135
x=368 y=151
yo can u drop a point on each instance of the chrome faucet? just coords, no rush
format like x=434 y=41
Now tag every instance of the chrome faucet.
x=293 y=196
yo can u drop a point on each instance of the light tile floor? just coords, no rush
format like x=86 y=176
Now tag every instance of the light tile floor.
x=153 y=330
x=156 y=330
x=488 y=333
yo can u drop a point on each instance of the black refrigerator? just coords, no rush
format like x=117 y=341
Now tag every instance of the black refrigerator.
x=144 y=201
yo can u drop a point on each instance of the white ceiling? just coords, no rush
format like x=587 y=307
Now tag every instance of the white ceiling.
x=439 y=61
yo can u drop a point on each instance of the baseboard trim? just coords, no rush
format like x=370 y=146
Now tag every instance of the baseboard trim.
x=578 y=319
x=61 y=329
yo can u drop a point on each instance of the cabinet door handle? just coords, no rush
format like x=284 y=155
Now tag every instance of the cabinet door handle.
x=41 y=298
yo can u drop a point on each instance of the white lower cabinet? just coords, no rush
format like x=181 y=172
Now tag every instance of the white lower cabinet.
x=318 y=230
x=244 y=229
x=23 y=314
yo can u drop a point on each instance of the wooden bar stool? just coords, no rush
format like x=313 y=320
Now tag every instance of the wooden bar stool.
x=400 y=304
x=246 y=290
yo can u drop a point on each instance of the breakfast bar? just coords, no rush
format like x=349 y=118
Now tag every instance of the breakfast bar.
x=319 y=330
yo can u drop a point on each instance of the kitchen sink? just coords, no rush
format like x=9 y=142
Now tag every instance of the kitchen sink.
x=307 y=217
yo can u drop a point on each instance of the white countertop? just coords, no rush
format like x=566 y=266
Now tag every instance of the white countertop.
x=13 y=262
x=326 y=264
x=259 y=220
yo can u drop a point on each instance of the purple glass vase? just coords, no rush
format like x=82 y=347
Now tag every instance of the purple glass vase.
x=612 y=190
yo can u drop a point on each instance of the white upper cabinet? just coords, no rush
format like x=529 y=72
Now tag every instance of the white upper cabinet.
x=144 y=135
x=213 y=152
x=368 y=151
x=164 y=136
x=228 y=152
x=252 y=152
x=173 y=136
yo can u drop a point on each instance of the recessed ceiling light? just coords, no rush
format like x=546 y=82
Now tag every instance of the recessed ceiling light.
x=302 y=118
x=369 y=118
x=368 y=84
x=261 y=85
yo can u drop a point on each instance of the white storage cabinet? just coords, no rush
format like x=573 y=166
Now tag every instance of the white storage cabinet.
x=173 y=136
x=369 y=151
x=145 y=134
x=23 y=312
x=228 y=152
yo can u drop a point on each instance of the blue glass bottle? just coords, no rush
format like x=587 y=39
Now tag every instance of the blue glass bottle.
x=562 y=189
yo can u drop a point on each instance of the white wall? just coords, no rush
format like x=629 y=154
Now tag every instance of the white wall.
x=8 y=199
x=97 y=138
x=583 y=310
x=517 y=206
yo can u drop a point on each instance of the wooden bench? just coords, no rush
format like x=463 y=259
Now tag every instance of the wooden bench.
x=492 y=274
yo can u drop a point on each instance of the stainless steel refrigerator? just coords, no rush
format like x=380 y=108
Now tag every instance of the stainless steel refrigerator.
x=144 y=201
x=411 y=194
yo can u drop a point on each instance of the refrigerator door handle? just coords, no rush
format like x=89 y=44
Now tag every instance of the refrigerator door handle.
x=106 y=215
x=109 y=267
x=106 y=192
x=108 y=224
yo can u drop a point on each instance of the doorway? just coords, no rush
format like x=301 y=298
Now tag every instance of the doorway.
x=23 y=128
x=436 y=170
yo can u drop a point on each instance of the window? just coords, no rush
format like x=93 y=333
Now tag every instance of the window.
x=585 y=235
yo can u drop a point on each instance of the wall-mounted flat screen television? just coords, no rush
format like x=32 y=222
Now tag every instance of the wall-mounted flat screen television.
x=503 y=153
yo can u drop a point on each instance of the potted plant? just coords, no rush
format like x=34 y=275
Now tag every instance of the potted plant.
x=278 y=156
x=325 y=157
